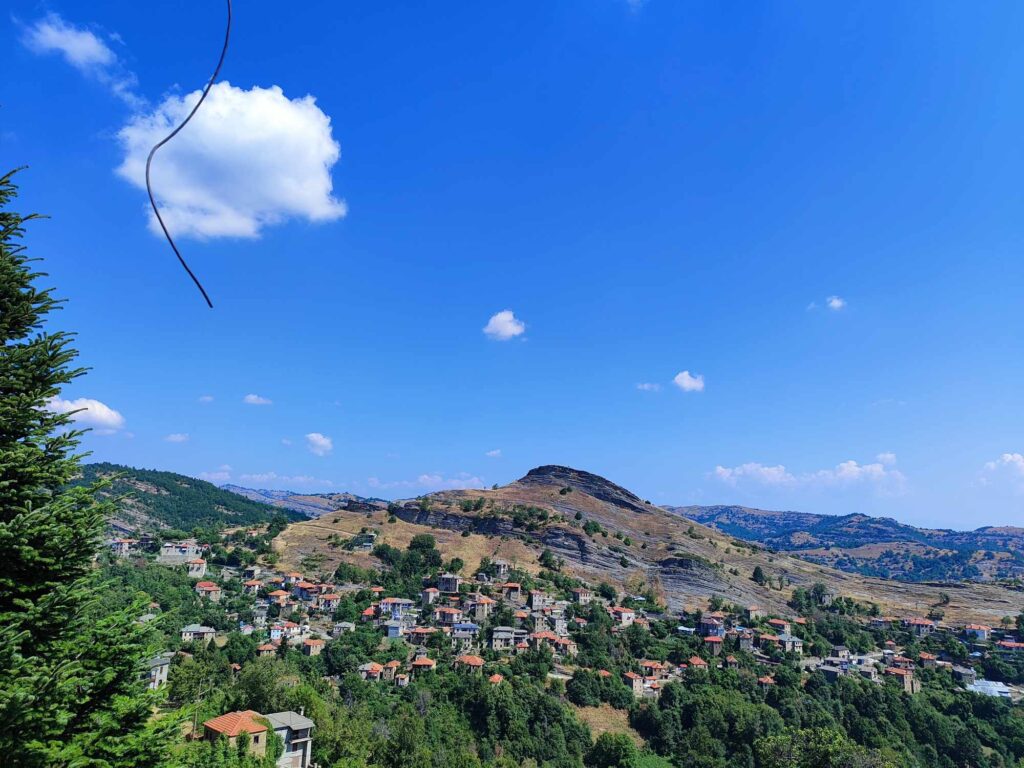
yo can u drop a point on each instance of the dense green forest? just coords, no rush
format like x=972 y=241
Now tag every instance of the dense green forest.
x=154 y=499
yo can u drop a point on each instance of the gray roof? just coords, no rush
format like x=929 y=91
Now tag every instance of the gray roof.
x=197 y=628
x=292 y=720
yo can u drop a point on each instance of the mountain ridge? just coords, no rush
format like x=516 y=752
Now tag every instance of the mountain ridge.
x=873 y=546
x=152 y=500
x=614 y=536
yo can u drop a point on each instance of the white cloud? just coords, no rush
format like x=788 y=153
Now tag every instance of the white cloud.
x=850 y=472
x=835 y=303
x=90 y=413
x=880 y=475
x=888 y=458
x=256 y=400
x=765 y=475
x=319 y=445
x=1013 y=462
x=495 y=454
x=83 y=50
x=286 y=441
x=177 y=437
x=504 y=325
x=689 y=382
x=206 y=398
x=1009 y=467
x=248 y=159
x=648 y=387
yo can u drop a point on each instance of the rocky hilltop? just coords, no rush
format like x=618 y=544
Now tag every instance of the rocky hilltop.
x=602 y=531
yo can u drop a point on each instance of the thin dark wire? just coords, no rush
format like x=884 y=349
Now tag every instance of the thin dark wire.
x=171 y=135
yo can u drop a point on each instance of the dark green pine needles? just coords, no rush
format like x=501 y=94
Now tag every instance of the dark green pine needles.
x=69 y=668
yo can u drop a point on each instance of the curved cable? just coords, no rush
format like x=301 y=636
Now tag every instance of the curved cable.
x=171 y=135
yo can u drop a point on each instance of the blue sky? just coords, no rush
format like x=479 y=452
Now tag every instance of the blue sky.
x=813 y=210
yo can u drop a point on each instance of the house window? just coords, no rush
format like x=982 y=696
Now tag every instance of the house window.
x=256 y=739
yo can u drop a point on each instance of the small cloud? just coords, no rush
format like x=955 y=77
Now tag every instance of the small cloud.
x=888 y=458
x=1009 y=467
x=206 y=398
x=88 y=413
x=256 y=400
x=286 y=441
x=495 y=454
x=689 y=382
x=879 y=475
x=177 y=437
x=319 y=445
x=759 y=473
x=835 y=303
x=83 y=50
x=504 y=326
x=648 y=387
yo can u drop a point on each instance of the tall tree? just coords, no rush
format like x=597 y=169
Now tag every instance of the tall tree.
x=70 y=692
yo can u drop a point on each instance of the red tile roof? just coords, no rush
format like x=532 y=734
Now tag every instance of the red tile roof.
x=236 y=723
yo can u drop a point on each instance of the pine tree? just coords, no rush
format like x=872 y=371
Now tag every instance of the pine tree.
x=70 y=692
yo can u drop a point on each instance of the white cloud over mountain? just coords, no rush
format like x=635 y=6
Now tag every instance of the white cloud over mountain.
x=880 y=475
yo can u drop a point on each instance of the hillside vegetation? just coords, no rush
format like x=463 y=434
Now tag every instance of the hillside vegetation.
x=150 y=500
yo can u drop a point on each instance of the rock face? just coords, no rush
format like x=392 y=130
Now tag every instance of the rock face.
x=585 y=482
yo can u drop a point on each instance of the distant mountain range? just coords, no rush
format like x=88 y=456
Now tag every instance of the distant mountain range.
x=874 y=546
x=308 y=504
x=149 y=500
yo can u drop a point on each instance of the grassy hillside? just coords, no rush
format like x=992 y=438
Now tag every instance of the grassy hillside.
x=602 y=532
x=149 y=499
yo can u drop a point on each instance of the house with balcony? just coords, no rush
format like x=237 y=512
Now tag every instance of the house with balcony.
x=296 y=732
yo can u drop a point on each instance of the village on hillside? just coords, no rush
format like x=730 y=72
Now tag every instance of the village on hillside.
x=433 y=616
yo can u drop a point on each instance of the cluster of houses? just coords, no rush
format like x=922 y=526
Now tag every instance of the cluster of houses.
x=460 y=615
x=446 y=611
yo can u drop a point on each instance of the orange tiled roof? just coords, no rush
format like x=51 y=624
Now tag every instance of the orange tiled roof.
x=236 y=723
x=470 y=661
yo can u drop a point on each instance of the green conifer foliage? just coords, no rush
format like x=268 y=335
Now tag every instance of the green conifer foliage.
x=70 y=692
